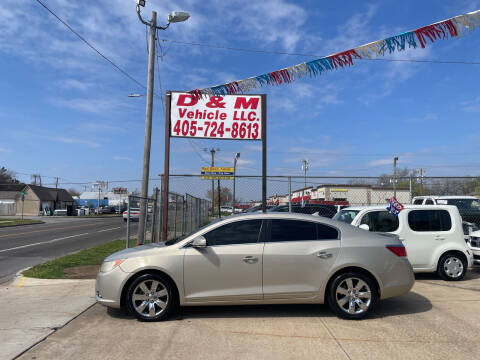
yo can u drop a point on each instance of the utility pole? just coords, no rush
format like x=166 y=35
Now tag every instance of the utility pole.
x=56 y=183
x=305 y=166
x=176 y=16
x=212 y=152
x=395 y=159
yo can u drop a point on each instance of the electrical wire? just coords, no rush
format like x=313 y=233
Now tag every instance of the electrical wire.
x=316 y=55
x=91 y=46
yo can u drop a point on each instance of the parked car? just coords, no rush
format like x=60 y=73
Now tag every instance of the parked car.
x=226 y=209
x=266 y=258
x=474 y=243
x=310 y=209
x=134 y=214
x=257 y=208
x=433 y=235
x=468 y=206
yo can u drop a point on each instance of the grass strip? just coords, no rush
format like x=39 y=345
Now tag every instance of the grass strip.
x=54 y=269
x=17 y=222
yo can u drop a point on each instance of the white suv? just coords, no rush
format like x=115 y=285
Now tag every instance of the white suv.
x=433 y=235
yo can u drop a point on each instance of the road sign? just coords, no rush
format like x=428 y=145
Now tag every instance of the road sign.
x=217 y=173
x=237 y=117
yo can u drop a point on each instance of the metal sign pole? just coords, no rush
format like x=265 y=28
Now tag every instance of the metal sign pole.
x=264 y=153
x=128 y=223
x=166 y=169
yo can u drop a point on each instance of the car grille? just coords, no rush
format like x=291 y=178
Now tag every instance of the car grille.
x=475 y=242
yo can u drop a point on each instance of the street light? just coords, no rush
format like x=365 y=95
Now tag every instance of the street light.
x=135 y=95
x=237 y=156
x=175 y=16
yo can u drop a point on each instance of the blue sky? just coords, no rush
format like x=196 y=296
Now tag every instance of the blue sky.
x=64 y=111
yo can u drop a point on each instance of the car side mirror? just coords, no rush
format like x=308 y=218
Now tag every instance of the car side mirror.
x=199 y=242
x=364 y=227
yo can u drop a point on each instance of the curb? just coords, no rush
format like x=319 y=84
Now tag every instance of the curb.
x=15 y=225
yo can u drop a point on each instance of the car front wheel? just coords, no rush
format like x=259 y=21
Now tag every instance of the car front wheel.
x=352 y=295
x=452 y=267
x=150 y=297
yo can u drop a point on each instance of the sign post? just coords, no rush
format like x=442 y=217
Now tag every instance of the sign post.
x=227 y=117
x=23 y=193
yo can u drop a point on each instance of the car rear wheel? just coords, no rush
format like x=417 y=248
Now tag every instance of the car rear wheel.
x=150 y=297
x=352 y=295
x=452 y=267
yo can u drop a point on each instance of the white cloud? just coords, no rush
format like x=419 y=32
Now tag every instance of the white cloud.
x=122 y=158
x=5 y=150
x=380 y=162
x=472 y=105
x=75 y=84
x=92 y=105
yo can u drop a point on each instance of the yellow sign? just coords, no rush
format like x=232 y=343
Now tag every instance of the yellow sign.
x=216 y=177
x=216 y=169
x=339 y=190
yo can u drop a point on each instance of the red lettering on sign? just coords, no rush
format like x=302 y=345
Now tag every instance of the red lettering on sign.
x=252 y=103
x=182 y=100
x=182 y=112
x=190 y=115
x=223 y=116
x=252 y=116
x=215 y=102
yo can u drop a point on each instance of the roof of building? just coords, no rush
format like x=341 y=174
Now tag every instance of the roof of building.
x=51 y=194
x=9 y=191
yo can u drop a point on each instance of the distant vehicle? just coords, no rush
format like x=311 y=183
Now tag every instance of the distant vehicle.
x=134 y=214
x=105 y=210
x=226 y=209
x=258 y=259
x=60 y=212
x=468 y=206
x=311 y=209
x=433 y=235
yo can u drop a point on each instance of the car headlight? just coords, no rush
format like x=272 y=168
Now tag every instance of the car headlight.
x=110 y=265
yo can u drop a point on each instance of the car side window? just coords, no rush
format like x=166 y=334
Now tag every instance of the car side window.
x=380 y=221
x=418 y=202
x=325 y=232
x=429 y=202
x=429 y=220
x=292 y=230
x=239 y=232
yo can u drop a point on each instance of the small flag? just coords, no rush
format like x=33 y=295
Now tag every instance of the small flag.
x=394 y=206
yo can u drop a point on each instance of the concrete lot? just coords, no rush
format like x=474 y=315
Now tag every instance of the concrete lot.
x=436 y=320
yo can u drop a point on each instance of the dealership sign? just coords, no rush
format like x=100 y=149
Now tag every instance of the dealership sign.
x=237 y=117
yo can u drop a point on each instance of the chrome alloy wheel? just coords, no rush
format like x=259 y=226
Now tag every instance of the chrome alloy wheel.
x=150 y=298
x=353 y=295
x=453 y=267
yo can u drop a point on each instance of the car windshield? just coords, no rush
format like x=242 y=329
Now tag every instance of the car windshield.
x=178 y=239
x=464 y=204
x=346 y=215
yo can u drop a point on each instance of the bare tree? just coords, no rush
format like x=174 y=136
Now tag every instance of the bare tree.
x=7 y=176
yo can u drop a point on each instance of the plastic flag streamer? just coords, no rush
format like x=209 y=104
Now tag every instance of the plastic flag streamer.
x=394 y=206
x=454 y=27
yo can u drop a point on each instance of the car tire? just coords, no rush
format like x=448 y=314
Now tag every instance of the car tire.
x=352 y=295
x=151 y=297
x=452 y=267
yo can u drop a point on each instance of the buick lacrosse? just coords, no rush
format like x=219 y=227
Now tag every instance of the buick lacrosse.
x=272 y=258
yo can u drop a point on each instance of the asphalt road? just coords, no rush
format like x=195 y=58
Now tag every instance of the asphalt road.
x=24 y=246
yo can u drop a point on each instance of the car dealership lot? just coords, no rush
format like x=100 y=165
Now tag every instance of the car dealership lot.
x=437 y=319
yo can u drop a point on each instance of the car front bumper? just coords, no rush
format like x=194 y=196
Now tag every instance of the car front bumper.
x=108 y=287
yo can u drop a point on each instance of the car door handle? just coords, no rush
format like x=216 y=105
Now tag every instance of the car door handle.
x=324 y=255
x=250 y=259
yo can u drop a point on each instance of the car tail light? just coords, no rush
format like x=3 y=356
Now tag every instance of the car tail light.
x=398 y=250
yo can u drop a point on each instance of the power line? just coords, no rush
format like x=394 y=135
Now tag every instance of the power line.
x=91 y=46
x=315 y=55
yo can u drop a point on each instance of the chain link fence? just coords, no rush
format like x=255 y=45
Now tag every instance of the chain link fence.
x=192 y=204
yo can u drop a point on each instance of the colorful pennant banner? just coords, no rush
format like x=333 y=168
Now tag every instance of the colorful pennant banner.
x=454 y=27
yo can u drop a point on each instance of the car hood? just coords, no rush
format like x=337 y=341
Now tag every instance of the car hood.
x=142 y=250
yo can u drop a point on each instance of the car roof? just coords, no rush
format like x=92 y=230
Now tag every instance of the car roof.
x=406 y=206
x=441 y=197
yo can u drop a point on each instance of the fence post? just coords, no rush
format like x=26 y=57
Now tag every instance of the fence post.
x=154 y=215
x=183 y=215
x=128 y=222
x=289 y=194
x=175 y=221
x=160 y=209
x=145 y=221
x=410 y=184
